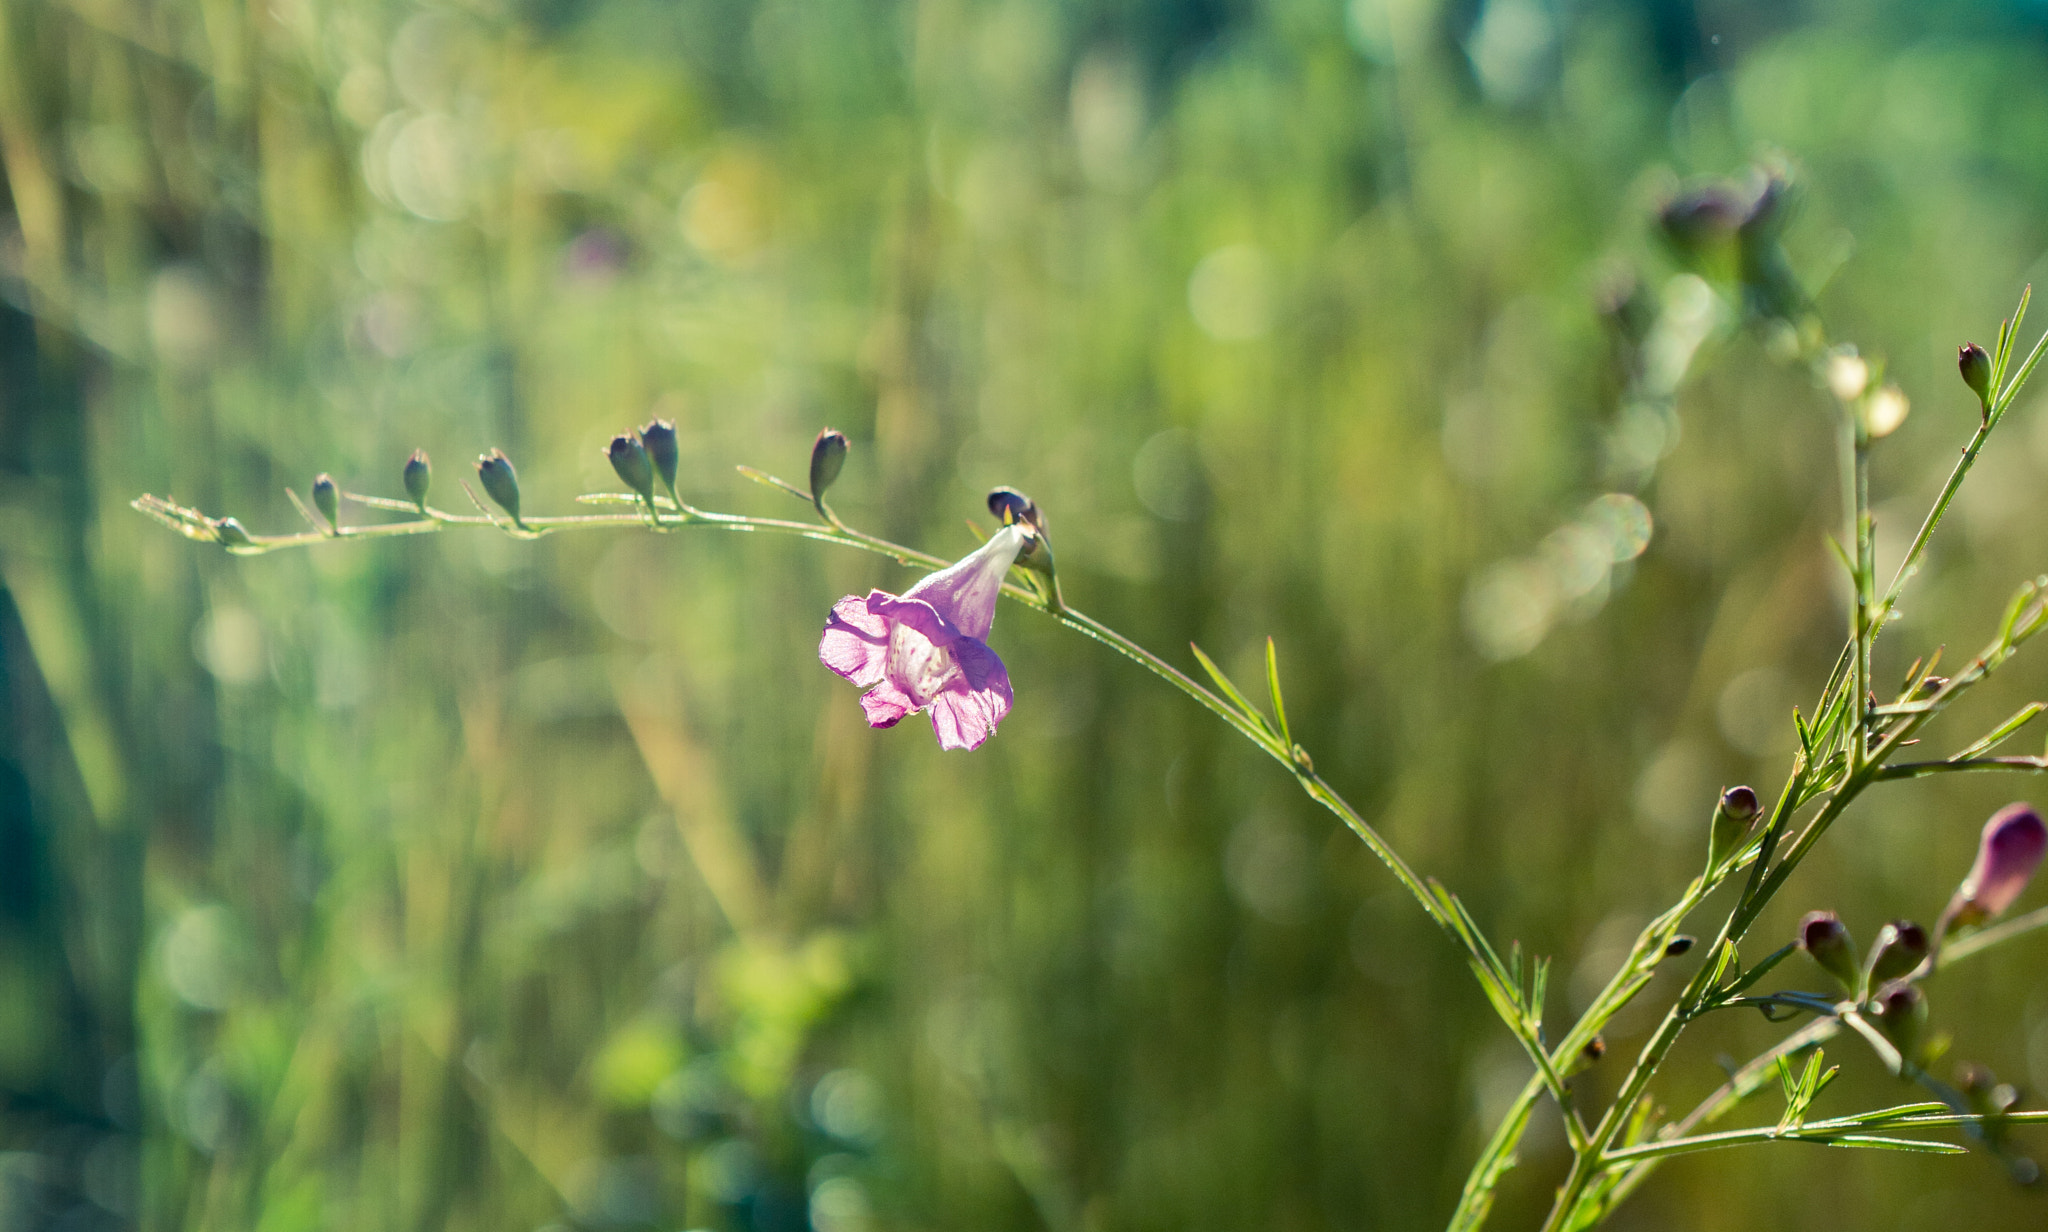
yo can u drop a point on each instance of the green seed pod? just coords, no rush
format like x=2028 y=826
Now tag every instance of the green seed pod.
x=419 y=477
x=629 y=458
x=501 y=482
x=327 y=499
x=231 y=533
x=828 y=457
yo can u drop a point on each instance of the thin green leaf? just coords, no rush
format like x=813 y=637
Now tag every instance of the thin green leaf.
x=1872 y=1142
x=1757 y=972
x=767 y=480
x=1273 y=683
x=1230 y=690
x=2003 y=732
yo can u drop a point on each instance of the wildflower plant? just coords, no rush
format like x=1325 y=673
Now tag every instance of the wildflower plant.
x=927 y=650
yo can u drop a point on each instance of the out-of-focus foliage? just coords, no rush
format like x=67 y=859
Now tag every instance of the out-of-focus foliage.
x=463 y=883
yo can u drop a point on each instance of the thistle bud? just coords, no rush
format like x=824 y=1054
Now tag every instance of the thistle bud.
x=501 y=482
x=327 y=499
x=1975 y=365
x=1825 y=941
x=660 y=438
x=1901 y=1011
x=1735 y=813
x=1900 y=948
x=828 y=456
x=419 y=477
x=629 y=458
x=2009 y=851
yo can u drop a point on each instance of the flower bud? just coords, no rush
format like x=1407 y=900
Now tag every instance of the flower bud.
x=2007 y=855
x=1825 y=941
x=419 y=477
x=828 y=455
x=1975 y=365
x=1700 y=223
x=501 y=482
x=1900 y=948
x=231 y=533
x=1901 y=1011
x=1010 y=506
x=1734 y=815
x=629 y=458
x=327 y=499
x=660 y=438
x=1680 y=944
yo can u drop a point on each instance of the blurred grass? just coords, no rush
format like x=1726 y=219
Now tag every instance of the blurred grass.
x=463 y=883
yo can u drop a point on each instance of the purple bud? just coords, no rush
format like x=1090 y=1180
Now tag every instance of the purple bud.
x=1975 y=366
x=660 y=438
x=1900 y=948
x=1825 y=941
x=1734 y=815
x=1901 y=1012
x=501 y=482
x=1011 y=507
x=629 y=458
x=828 y=455
x=327 y=499
x=1702 y=218
x=2007 y=855
x=419 y=477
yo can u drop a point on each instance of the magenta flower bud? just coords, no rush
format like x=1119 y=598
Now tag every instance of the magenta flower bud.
x=828 y=456
x=1900 y=948
x=2010 y=850
x=629 y=459
x=419 y=477
x=327 y=499
x=1825 y=941
x=1734 y=815
x=1975 y=366
x=501 y=482
x=927 y=649
x=660 y=438
x=1901 y=1011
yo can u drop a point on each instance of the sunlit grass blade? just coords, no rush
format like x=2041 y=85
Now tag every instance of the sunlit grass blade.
x=1273 y=683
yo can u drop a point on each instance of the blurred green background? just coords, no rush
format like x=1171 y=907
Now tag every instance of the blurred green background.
x=465 y=883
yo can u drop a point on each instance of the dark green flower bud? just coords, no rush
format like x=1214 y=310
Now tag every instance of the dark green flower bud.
x=1735 y=813
x=660 y=438
x=1825 y=941
x=327 y=499
x=1678 y=945
x=1901 y=1012
x=419 y=477
x=1975 y=366
x=828 y=456
x=501 y=482
x=1900 y=948
x=629 y=458
x=231 y=533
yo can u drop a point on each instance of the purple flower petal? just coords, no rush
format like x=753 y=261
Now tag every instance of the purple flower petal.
x=965 y=592
x=856 y=640
x=2011 y=848
x=966 y=714
x=885 y=705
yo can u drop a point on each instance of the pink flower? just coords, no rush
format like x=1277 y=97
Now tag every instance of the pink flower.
x=2011 y=849
x=924 y=650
